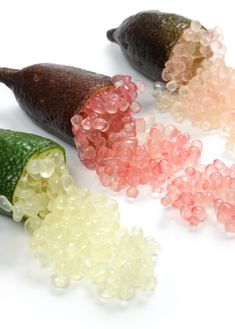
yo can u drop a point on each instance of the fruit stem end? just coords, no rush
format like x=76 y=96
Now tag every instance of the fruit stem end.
x=7 y=76
x=110 y=35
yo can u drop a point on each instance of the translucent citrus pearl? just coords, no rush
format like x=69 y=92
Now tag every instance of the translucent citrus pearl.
x=67 y=182
x=34 y=167
x=186 y=56
x=47 y=168
x=206 y=85
x=130 y=144
x=60 y=280
x=77 y=232
x=30 y=199
x=212 y=185
x=18 y=212
x=132 y=192
x=84 y=240
x=5 y=204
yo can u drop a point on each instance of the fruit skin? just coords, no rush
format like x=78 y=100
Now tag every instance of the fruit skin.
x=148 y=38
x=16 y=148
x=51 y=94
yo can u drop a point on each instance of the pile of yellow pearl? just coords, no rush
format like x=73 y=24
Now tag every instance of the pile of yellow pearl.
x=77 y=232
x=37 y=186
x=83 y=239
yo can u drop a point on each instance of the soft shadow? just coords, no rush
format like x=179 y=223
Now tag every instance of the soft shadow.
x=13 y=243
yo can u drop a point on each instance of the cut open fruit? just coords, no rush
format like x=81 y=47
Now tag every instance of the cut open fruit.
x=189 y=58
x=200 y=86
x=98 y=112
x=194 y=47
x=107 y=135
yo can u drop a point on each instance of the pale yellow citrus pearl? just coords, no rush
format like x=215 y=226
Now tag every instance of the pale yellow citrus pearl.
x=31 y=197
x=83 y=238
x=78 y=234
x=5 y=204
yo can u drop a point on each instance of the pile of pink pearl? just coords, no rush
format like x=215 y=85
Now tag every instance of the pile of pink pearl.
x=195 y=45
x=207 y=99
x=212 y=185
x=106 y=137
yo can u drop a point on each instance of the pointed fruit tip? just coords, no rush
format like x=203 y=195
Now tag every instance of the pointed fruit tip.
x=110 y=35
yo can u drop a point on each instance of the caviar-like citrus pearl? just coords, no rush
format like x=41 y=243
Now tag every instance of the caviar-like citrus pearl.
x=18 y=212
x=77 y=232
x=5 y=204
x=60 y=280
x=83 y=239
x=120 y=152
x=205 y=85
x=201 y=187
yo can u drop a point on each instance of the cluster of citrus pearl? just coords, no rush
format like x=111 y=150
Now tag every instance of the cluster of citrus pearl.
x=83 y=239
x=77 y=232
x=197 y=188
x=37 y=186
x=107 y=137
x=195 y=45
x=206 y=96
x=5 y=204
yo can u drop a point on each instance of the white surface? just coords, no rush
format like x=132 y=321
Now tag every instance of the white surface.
x=196 y=269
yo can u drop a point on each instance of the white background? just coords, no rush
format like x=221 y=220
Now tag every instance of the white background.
x=195 y=269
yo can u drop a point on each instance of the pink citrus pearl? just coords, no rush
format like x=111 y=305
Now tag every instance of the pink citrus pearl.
x=203 y=186
x=190 y=171
x=185 y=212
x=187 y=198
x=132 y=192
x=106 y=135
x=140 y=86
x=89 y=152
x=86 y=123
x=76 y=120
x=105 y=180
x=199 y=213
x=135 y=107
x=140 y=125
x=193 y=221
x=200 y=86
x=166 y=200
x=100 y=124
